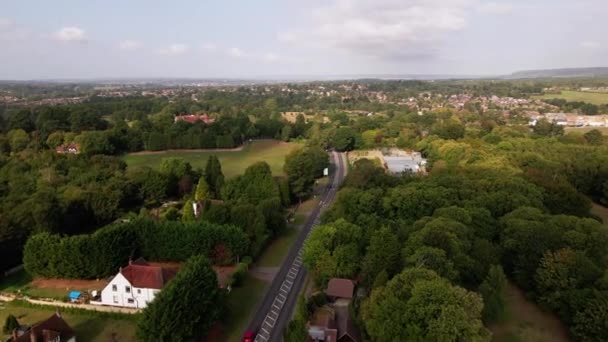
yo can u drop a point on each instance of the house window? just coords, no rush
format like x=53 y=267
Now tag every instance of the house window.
x=114 y=288
x=115 y=298
x=128 y=289
x=138 y=291
x=130 y=300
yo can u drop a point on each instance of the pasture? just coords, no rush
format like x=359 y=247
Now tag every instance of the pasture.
x=570 y=95
x=234 y=162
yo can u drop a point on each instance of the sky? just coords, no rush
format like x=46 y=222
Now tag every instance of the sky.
x=67 y=39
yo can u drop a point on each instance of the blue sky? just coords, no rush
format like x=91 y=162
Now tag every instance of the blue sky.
x=264 y=38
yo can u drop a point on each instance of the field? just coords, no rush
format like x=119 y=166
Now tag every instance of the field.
x=583 y=130
x=569 y=95
x=88 y=327
x=525 y=321
x=234 y=162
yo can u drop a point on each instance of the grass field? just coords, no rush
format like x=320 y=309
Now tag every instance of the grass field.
x=241 y=303
x=525 y=321
x=233 y=162
x=87 y=327
x=569 y=95
x=583 y=130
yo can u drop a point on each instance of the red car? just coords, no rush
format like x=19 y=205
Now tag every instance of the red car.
x=249 y=336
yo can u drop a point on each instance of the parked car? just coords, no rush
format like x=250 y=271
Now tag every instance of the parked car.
x=249 y=336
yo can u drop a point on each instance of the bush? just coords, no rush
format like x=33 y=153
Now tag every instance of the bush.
x=10 y=324
x=237 y=278
x=186 y=308
x=101 y=254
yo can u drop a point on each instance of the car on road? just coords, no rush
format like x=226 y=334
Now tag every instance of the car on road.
x=249 y=336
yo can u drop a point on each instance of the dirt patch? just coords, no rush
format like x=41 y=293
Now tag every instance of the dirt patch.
x=44 y=283
x=527 y=322
x=223 y=274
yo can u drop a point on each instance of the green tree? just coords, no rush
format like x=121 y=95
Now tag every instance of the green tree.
x=188 y=212
x=493 y=292
x=344 y=139
x=383 y=253
x=590 y=322
x=10 y=324
x=418 y=305
x=202 y=190
x=594 y=137
x=214 y=176
x=186 y=308
x=18 y=139
x=55 y=139
x=296 y=331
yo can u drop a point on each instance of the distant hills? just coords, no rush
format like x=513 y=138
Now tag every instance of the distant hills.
x=561 y=73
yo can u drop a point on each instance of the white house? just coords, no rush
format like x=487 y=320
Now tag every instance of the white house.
x=135 y=285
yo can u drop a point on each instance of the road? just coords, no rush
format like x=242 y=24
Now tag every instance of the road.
x=276 y=309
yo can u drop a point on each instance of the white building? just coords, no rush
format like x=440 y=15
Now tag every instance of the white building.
x=135 y=285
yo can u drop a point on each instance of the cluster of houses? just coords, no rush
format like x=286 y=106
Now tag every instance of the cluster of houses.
x=332 y=322
x=53 y=329
x=570 y=120
x=193 y=118
x=68 y=149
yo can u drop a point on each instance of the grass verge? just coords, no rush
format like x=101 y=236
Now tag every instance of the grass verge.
x=242 y=301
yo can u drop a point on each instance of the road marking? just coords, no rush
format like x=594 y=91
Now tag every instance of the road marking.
x=266 y=331
x=284 y=298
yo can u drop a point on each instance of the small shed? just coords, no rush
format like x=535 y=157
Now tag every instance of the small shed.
x=340 y=288
x=75 y=296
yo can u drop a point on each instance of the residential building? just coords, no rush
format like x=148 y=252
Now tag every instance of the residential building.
x=53 y=329
x=135 y=285
x=193 y=118
x=68 y=149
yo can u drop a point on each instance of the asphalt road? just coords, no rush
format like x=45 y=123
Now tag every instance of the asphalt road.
x=277 y=307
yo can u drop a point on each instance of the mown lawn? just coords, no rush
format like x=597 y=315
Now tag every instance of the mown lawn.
x=570 y=95
x=233 y=162
x=88 y=327
x=275 y=253
x=242 y=302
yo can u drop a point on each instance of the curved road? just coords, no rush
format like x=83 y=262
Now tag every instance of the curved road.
x=275 y=311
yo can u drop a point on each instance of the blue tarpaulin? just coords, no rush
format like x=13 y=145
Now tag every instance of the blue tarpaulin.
x=74 y=295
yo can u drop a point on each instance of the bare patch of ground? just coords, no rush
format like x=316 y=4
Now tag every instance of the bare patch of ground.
x=527 y=322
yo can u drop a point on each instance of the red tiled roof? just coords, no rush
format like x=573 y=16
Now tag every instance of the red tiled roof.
x=192 y=118
x=47 y=331
x=142 y=275
x=341 y=288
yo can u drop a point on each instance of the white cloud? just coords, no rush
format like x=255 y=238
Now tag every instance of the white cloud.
x=175 y=50
x=270 y=57
x=495 y=8
x=10 y=32
x=209 y=47
x=590 y=44
x=130 y=45
x=70 y=34
x=6 y=24
x=384 y=28
x=236 y=52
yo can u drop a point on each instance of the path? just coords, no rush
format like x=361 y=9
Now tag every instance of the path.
x=279 y=302
x=54 y=303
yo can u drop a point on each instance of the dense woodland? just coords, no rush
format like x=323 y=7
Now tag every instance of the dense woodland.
x=501 y=201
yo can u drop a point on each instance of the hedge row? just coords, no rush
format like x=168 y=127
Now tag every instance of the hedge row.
x=100 y=254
